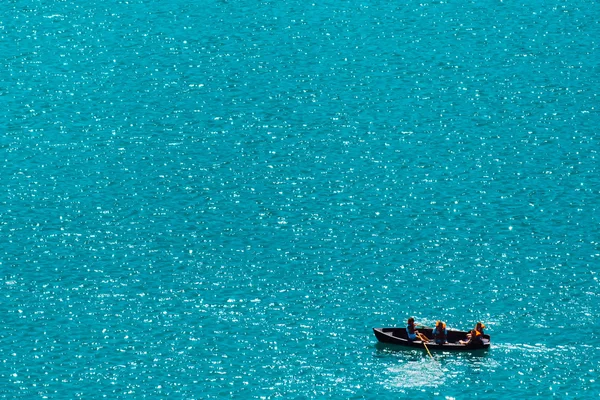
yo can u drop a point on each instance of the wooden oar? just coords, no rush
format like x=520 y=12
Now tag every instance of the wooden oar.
x=424 y=339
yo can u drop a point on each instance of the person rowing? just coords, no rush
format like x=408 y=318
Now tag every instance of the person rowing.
x=411 y=331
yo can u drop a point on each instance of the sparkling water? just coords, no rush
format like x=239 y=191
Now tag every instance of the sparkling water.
x=221 y=199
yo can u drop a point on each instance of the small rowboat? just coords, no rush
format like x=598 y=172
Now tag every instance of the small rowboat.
x=398 y=336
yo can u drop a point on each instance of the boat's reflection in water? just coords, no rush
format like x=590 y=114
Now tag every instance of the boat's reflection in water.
x=389 y=350
x=414 y=368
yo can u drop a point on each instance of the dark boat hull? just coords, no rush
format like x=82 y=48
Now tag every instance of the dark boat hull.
x=398 y=336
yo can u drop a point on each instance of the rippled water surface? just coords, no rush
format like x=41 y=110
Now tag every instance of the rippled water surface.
x=221 y=199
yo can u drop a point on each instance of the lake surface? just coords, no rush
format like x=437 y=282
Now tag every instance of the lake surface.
x=221 y=199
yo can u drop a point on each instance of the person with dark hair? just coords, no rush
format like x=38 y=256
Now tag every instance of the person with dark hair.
x=411 y=331
x=473 y=338
x=479 y=327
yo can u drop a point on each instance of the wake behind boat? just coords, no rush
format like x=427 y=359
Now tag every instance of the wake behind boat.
x=399 y=336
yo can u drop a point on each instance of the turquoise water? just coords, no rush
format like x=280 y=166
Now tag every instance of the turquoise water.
x=220 y=199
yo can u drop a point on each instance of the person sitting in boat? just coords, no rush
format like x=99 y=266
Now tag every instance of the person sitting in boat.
x=479 y=327
x=440 y=333
x=411 y=331
x=473 y=338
